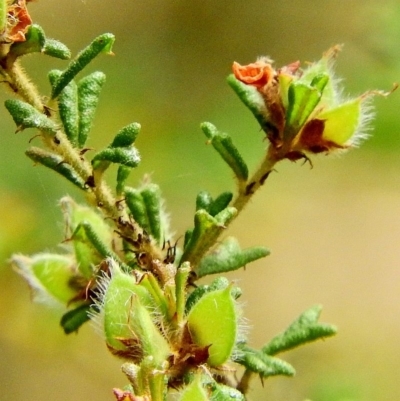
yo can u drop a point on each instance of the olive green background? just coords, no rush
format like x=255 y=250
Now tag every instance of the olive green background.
x=333 y=230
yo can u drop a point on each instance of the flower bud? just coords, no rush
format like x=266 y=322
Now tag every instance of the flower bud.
x=15 y=21
x=50 y=276
x=212 y=323
x=303 y=111
x=129 y=317
x=257 y=74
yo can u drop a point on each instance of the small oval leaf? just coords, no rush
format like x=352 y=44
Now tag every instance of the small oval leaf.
x=223 y=144
x=26 y=116
x=228 y=257
x=56 y=49
x=56 y=163
x=89 y=89
x=75 y=318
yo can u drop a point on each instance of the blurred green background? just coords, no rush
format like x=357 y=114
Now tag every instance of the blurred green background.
x=333 y=230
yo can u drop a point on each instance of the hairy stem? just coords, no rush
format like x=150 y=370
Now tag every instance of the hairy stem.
x=23 y=86
x=100 y=194
x=248 y=189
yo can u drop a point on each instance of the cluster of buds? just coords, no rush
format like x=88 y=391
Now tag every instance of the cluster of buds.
x=302 y=111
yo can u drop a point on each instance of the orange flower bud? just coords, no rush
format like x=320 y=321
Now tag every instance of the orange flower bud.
x=18 y=22
x=257 y=74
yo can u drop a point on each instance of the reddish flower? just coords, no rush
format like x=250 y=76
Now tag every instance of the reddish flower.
x=18 y=22
x=257 y=74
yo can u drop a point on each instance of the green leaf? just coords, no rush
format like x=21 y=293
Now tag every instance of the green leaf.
x=137 y=207
x=53 y=75
x=56 y=163
x=188 y=235
x=284 y=84
x=68 y=110
x=87 y=255
x=56 y=49
x=128 y=157
x=34 y=43
x=120 y=150
x=151 y=196
x=206 y=230
x=228 y=257
x=75 y=318
x=26 y=116
x=252 y=99
x=262 y=364
x=85 y=229
x=122 y=176
x=126 y=136
x=303 y=330
x=220 y=203
x=213 y=206
x=324 y=67
x=320 y=81
x=212 y=323
x=224 y=217
x=89 y=89
x=203 y=200
x=223 y=144
x=221 y=392
x=302 y=101
x=145 y=205
x=102 y=43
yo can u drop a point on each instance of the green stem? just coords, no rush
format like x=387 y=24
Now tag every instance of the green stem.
x=181 y=279
x=22 y=85
x=245 y=192
x=248 y=189
x=100 y=195
x=157 y=386
x=25 y=89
